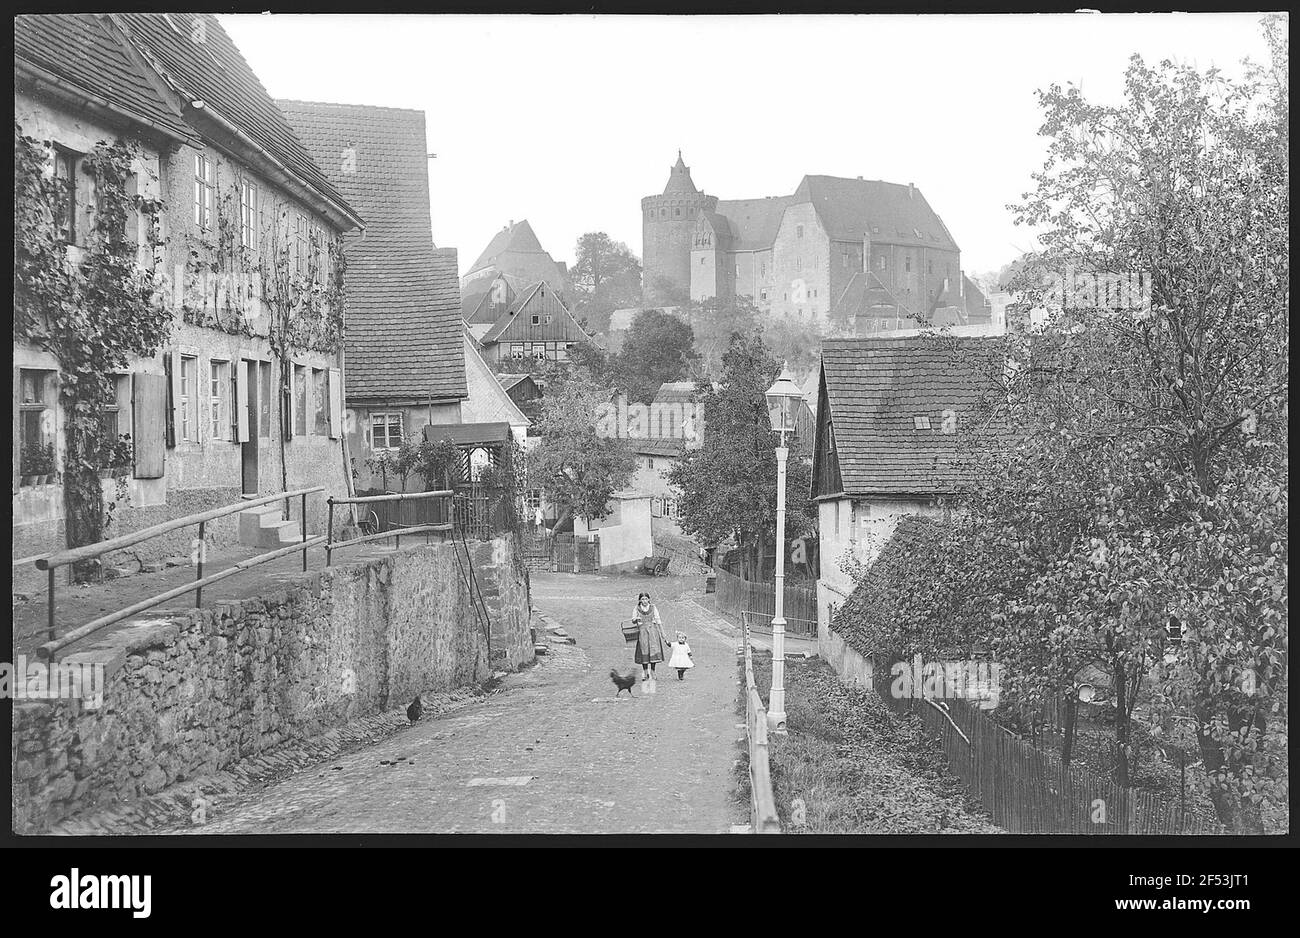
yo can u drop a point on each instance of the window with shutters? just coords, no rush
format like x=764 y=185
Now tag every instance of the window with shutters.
x=264 y=399
x=218 y=399
x=300 y=400
x=188 y=405
x=385 y=431
x=116 y=418
x=321 y=401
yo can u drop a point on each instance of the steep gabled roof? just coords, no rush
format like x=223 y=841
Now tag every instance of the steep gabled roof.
x=568 y=326
x=875 y=389
x=83 y=52
x=851 y=209
x=518 y=238
x=488 y=401
x=197 y=57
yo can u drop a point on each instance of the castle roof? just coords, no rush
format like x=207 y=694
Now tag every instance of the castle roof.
x=679 y=179
x=854 y=209
x=404 y=331
x=754 y=222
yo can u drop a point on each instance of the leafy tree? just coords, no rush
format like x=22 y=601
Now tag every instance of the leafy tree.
x=661 y=291
x=606 y=276
x=715 y=323
x=1187 y=182
x=658 y=348
x=728 y=484
x=1137 y=517
x=579 y=468
x=797 y=342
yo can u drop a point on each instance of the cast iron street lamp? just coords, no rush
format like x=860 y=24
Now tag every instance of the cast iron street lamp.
x=782 y=400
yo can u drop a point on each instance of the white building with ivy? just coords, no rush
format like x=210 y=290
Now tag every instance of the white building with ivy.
x=178 y=293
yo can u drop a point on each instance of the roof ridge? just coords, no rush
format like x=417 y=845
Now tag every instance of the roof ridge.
x=337 y=104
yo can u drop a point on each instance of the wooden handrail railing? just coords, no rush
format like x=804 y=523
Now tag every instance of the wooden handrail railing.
x=91 y=551
x=762 y=800
x=51 y=562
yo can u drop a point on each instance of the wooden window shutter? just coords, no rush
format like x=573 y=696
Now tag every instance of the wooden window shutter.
x=336 y=403
x=172 y=414
x=149 y=423
x=18 y=431
x=241 y=399
x=286 y=403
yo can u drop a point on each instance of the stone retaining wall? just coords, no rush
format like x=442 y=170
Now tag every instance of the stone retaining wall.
x=186 y=695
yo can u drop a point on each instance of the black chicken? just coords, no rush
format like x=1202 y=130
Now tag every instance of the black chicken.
x=622 y=682
x=414 y=709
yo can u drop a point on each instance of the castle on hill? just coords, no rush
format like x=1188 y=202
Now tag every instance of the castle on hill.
x=850 y=248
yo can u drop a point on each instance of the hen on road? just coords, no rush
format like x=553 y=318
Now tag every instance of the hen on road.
x=622 y=682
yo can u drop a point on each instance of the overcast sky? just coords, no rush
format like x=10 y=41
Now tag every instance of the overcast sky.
x=569 y=120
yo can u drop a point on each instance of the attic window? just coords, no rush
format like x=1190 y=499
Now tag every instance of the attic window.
x=537 y=320
x=921 y=423
x=919 y=236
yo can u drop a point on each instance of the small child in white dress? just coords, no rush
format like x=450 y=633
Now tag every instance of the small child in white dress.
x=681 y=656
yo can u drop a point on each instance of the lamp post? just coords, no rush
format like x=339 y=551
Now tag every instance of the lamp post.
x=782 y=399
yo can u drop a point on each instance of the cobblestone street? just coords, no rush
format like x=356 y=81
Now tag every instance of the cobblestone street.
x=555 y=752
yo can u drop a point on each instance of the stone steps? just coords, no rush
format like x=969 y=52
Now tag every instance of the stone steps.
x=265 y=526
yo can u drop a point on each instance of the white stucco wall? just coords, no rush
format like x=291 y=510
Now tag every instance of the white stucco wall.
x=625 y=535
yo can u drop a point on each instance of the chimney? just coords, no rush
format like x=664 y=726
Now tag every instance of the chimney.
x=512 y=223
x=859 y=179
x=911 y=191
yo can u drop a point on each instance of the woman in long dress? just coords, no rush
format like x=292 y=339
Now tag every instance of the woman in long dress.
x=649 y=642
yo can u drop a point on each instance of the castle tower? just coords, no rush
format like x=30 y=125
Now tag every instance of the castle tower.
x=667 y=228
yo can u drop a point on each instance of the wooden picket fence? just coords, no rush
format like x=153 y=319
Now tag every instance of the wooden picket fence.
x=755 y=603
x=1027 y=790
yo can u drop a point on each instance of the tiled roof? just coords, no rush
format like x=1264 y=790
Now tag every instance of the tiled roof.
x=404 y=330
x=657 y=446
x=518 y=238
x=876 y=388
x=214 y=71
x=754 y=222
x=676 y=392
x=852 y=209
x=720 y=226
x=83 y=50
x=508 y=381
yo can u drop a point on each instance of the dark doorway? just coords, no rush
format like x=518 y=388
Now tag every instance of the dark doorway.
x=249 y=446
